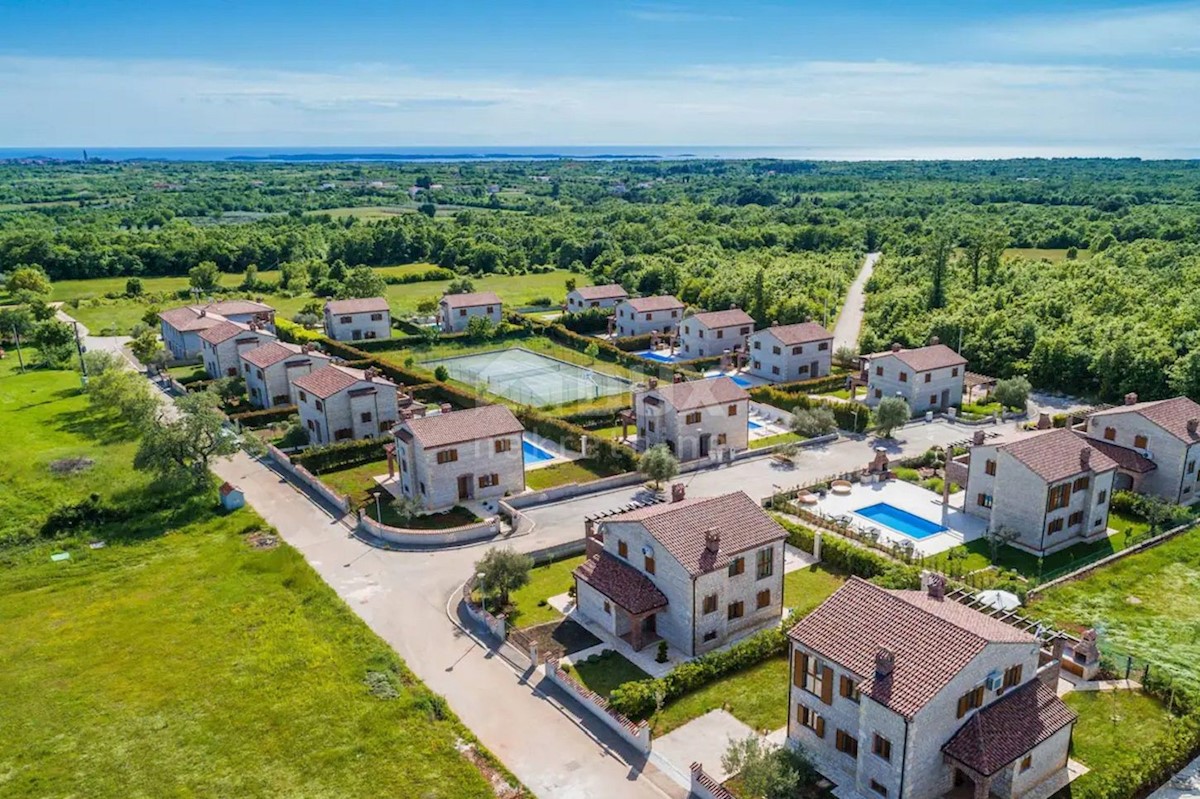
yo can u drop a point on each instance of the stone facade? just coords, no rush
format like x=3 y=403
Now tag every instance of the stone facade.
x=787 y=360
x=271 y=385
x=364 y=407
x=708 y=334
x=640 y=317
x=491 y=467
x=347 y=321
x=892 y=374
x=716 y=422
x=595 y=297
x=1174 y=453
x=223 y=358
x=455 y=311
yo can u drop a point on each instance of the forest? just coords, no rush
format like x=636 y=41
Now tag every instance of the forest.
x=1082 y=274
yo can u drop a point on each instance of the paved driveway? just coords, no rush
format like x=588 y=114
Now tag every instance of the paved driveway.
x=849 y=321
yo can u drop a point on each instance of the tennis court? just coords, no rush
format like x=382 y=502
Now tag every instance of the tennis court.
x=530 y=378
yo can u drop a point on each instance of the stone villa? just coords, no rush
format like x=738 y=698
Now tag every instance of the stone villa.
x=270 y=369
x=713 y=332
x=338 y=403
x=455 y=311
x=697 y=573
x=585 y=297
x=1156 y=446
x=358 y=319
x=694 y=419
x=222 y=344
x=927 y=378
x=783 y=353
x=643 y=315
x=181 y=327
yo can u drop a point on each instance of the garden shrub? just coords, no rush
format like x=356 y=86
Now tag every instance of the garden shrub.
x=589 y=320
x=342 y=455
x=264 y=416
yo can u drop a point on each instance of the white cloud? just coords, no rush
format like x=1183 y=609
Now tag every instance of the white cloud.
x=850 y=107
x=1157 y=31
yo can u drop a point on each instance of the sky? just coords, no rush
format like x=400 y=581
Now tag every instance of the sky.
x=922 y=78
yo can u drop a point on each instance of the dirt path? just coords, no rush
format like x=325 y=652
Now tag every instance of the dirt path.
x=849 y=322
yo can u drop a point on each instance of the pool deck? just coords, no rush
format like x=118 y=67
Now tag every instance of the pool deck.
x=560 y=455
x=962 y=527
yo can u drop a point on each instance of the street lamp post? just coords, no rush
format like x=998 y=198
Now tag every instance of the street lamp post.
x=482 y=589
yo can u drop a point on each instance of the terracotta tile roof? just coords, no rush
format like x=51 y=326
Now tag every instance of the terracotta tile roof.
x=661 y=302
x=1124 y=457
x=456 y=427
x=331 y=379
x=694 y=394
x=612 y=291
x=270 y=353
x=362 y=305
x=1171 y=415
x=1009 y=727
x=223 y=332
x=473 y=300
x=730 y=318
x=1057 y=454
x=232 y=307
x=187 y=318
x=802 y=333
x=922 y=359
x=682 y=528
x=932 y=640
x=621 y=583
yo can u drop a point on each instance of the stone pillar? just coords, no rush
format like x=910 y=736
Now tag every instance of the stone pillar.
x=391 y=461
x=817 y=545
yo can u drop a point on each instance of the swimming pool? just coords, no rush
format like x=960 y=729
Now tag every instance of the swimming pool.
x=534 y=454
x=901 y=521
x=660 y=357
x=755 y=425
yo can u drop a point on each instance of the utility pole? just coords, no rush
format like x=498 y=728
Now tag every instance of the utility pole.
x=20 y=357
x=83 y=375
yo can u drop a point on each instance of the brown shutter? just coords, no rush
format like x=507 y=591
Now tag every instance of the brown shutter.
x=827 y=686
x=1017 y=681
x=820 y=726
x=962 y=705
x=800 y=667
x=844 y=686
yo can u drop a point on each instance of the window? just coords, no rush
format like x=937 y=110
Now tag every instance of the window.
x=824 y=345
x=303 y=397
x=846 y=743
x=1110 y=434
x=366 y=417
x=720 y=334
x=1101 y=497
x=488 y=480
x=711 y=635
x=345 y=320
x=970 y=700
x=376 y=317
x=692 y=418
x=984 y=500
x=810 y=719
x=954 y=372
x=765 y=565
x=881 y=747
x=1055 y=526
x=721 y=439
x=1191 y=467
x=776 y=351
x=745 y=331
x=1080 y=484
x=649 y=564
x=763 y=599
x=815 y=676
x=732 y=410
x=462 y=311
x=757 y=344
x=904 y=377
x=246 y=368
x=879 y=371
x=447 y=456
x=1026 y=763
x=1012 y=677
x=622 y=549
x=422 y=488
x=798 y=350
x=737 y=567
x=933 y=399
x=989 y=467
x=503 y=444
x=736 y=609
x=1059 y=497
x=1140 y=442
x=848 y=690
x=928 y=377
x=710 y=604
x=1075 y=518
x=878 y=788
x=320 y=405
x=774 y=370
x=607 y=607
x=878 y=393
x=650 y=425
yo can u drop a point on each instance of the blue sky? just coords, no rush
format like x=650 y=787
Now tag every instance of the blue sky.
x=923 y=78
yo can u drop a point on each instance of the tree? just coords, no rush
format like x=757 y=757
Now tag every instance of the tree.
x=1012 y=393
x=938 y=251
x=429 y=209
x=890 y=413
x=427 y=305
x=1185 y=375
x=204 y=276
x=766 y=771
x=363 y=281
x=293 y=276
x=845 y=356
x=15 y=320
x=117 y=391
x=55 y=341
x=810 y=422
x=503 y=570
x=146 y=347
x=180 y=449
x=250 y=281
x=441 y=373
x=306 y=319
x=480 y=328
x=592 y=350
x=134 y=287
x=570 y=284
x=462 y=285
x=658 y=464
x=28 y=281
x=407 y=507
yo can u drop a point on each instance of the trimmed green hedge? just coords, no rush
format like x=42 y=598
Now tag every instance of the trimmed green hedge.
x=633 y=343
x=342 y=455
x=590 y=320
x=264 y=417
x=431 y=274
x=843 y=556
x=606 y=453
x=853 y=417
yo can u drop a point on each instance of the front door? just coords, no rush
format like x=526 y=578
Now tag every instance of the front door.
x=705 y=439
x=464 y=486
x=812 y=369
x=945 y=398
x=650 y=624
x=356 y=334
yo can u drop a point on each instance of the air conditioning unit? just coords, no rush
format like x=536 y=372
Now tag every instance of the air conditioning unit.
x=994 y=681
x=647 y=551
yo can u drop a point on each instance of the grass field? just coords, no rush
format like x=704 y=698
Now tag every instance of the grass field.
x=604 y=672
x=1146 y=603
x=756 y=696
x=1114 y=731
x=545 y=581
x=806 y=588
x=580 y=471
x=355 y=481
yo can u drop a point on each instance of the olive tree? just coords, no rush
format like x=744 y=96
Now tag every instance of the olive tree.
x=890 y=413
x=658 y=464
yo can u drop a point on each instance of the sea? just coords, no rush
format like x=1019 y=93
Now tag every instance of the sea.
x=285 y=154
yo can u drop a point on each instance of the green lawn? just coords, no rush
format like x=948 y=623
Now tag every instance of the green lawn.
x=757 y=696
x=806 y=588
x=779 y=438
x=604 y=672
x=580 y=471
x=545 y=581
x=1147 y=603
x=1114 y=731
x=514 y=290
x=1124 y=521
x=356 y=481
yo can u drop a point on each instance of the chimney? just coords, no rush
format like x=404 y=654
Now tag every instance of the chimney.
x=885 y=664
x=203 y=312
x=936 y=587
x=712 y=540
x=1131 y=398
x=1192 y=424
x=1044 y=422
x=896 y=346
x=678 y=378
x=1085 y=456
x=678 y=492
x=652 y=382
x=977 y=438
x=934 y=341
x=445 y=407
x=368 y=374
x=808 y=318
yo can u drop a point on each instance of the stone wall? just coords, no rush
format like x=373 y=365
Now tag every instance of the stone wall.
x=467 y=533
x=636 y=734
x=307 y=478
x=704 y=786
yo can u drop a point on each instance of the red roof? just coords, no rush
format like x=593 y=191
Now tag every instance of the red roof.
x=273 y=352
x=612 y=291
x=1124 y=457
x=1009 y=727
x=662 y=302
x=238 y=307
x=332 y=379
x=695 y=394
x=472 y=300
x=223 y=332
x=730 y=318
x=187 y=319
x=1058 y=454
x=922 y=359
x=456 y=427
x=932 y=640
x=802 y=333
x=362 y=305
x=621 y=583
x=1172 y=415
x=683 y=527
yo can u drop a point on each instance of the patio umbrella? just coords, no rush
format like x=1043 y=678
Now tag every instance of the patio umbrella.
x=1000 y=600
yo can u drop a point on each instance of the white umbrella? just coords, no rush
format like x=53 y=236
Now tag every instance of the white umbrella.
x=1000 y=600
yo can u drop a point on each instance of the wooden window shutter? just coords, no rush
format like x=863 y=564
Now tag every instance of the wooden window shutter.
x=962 y=705
x=827 y=686
x=844 y=686
x=820 y=727
x=800 y=667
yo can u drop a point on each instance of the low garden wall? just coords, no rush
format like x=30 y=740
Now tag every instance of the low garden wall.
x=634 y=733
x=496 y=625
x=306 y=477
x=571 y=490
x=558 y=551
x=705 y=786
x=464 y=534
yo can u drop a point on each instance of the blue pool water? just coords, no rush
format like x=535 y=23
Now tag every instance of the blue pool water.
x=534 y=454
x=741 y=381
x=661 y=357
x=901 y=520
x=756 y=425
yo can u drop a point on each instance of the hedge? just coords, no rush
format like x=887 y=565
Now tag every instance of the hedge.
x=850 y=416
x=606 y=453
x=817 y=385
x=633 y=343
x=293 y=333
x=590 y=320
x=264 y=417
x=342 y=455
x=431 y=274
